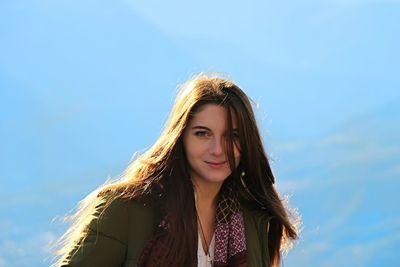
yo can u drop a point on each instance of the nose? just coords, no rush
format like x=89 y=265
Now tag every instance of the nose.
x=217 y=146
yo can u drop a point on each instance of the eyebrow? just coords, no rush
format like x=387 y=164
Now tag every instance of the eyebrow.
x=199 y=127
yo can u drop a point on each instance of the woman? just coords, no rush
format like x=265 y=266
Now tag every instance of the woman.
x=202 y=195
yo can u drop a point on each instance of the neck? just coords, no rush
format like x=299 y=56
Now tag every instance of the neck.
x=206 y=194
x=206 y=205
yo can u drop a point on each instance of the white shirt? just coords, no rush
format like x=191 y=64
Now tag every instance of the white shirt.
x=202 y=259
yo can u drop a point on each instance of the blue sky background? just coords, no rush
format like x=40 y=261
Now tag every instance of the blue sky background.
x=85 y=84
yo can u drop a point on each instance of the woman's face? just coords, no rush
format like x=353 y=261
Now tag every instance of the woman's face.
x=204 y=142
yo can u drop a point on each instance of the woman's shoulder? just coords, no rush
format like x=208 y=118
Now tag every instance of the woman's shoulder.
x=254 y=210
x=117 y=205
x=116 y=216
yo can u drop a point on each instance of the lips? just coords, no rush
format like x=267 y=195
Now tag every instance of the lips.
x=216 y=164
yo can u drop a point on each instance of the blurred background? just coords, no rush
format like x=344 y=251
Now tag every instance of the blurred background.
x=86 y=84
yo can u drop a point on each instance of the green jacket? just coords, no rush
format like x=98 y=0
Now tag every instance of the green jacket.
x=119 y=235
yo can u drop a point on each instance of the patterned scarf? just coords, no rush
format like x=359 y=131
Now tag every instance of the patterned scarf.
x=230 y=240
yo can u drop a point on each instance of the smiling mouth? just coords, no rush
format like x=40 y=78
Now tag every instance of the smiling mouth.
x=216 y=164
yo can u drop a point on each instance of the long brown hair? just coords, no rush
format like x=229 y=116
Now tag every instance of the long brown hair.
x=163 y=171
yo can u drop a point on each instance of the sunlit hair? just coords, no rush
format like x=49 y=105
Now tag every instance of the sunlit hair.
x=163 y=171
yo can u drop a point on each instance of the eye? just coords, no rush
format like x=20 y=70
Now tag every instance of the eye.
x=201 y=134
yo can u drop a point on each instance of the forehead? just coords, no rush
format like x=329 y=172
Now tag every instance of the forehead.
x=213 y=116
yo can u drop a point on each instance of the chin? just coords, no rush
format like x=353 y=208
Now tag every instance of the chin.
x=217 y=179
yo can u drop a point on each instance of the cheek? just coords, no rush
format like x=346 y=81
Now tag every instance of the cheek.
x=193 y=149
x=237 y=160
x=236 y=151
x=237 y=157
